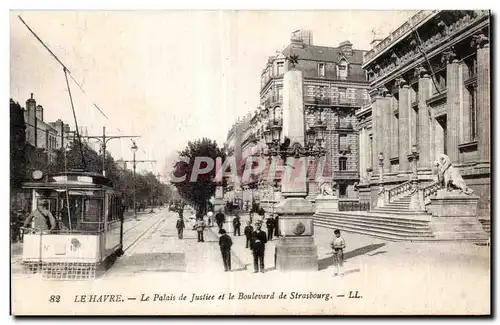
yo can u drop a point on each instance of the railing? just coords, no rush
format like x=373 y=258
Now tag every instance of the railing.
x=343 y=125
x=345 y=174
x=316 y=100
x=430 y=190
x=399 y=190
x=353 y=205
x=403 y=29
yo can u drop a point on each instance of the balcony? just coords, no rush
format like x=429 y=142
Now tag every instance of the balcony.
x=327 y=101
x=344 y=149
x=273 y=100
x=343 y=126
x=345 y=174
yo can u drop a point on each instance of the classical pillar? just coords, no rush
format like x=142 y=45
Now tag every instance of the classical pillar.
x=385 y=127
x=424 y=141
x=453 y=85
x=404 y=125
x=483 y=96
x=362 y=153
x=394 y=152
x=376 y=136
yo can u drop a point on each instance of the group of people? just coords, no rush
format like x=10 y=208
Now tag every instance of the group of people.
x=256 y=239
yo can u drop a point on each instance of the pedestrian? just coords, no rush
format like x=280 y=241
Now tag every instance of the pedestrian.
x=248 y=234
x=210 y=216
x=259 y=240
x=225 y=244
x=338 y=245
x=200 y=227
x=236 y=225
x=180 y=226
x=270 y=227
x=277 y=226
x=220 y=219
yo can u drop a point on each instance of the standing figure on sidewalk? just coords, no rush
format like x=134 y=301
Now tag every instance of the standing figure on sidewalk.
x=180 y=227
x=259 y=240
x=210 y=216
x=236 y=225
x=277 y=227
x=225 y=244
x=248 y=234
x=200 y=227
x=338 y=245
x=270 y=227
x=220 y=219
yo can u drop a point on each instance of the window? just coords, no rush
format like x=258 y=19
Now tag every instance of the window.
x=342 y=95
x=342 y=163
x=92 y=210
x=321 y=69
x=342 y=190
x=280 y=68
x=342 y=69
x=342 y=140
x=280 y=94
x=472 y=112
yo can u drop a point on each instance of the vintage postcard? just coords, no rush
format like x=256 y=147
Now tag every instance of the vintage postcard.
x=250 y=162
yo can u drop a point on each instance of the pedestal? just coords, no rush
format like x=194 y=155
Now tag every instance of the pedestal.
x=454 y=217
x=327 y=203
x=296 y=251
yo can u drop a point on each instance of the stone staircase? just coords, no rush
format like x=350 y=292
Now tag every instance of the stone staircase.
x=396 y=222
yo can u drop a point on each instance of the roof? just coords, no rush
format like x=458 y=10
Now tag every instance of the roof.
x=323 y=53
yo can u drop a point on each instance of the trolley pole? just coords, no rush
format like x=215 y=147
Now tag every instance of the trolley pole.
x=103 y=139
x=134 y=149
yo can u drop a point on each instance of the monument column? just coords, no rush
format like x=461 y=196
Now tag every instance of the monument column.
x=404 y=125
x=453 y=85
x=424 y=93
x=483 y=96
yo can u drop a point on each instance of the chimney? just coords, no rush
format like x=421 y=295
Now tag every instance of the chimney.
x=39 y=112
x=31 y=107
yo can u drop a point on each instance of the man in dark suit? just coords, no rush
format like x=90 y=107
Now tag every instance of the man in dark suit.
x=225 y=244
x=248 y=234
x=220 y=219
x=259 y=240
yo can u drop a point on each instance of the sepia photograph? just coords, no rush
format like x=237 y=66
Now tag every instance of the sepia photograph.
x=250 y=162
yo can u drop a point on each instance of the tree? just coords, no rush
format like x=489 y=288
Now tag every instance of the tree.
x=17 y=145
x=199 y=191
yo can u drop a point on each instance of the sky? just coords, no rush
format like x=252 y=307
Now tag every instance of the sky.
x=168 y=76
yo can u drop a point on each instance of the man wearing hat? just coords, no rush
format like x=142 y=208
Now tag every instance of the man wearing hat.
x=258 y=245
x=42 y=218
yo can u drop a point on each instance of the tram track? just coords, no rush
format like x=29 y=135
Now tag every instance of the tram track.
x=143 y=234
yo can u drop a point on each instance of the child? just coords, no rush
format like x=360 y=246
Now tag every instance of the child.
x=338 y=245
x=225 y=244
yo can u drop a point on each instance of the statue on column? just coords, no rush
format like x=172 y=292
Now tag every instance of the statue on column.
x=448 y=176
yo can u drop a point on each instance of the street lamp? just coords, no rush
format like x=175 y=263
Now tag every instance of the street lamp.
x=134 y=150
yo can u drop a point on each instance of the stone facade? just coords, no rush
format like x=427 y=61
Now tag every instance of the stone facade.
x=334 y=86
x=430 y=90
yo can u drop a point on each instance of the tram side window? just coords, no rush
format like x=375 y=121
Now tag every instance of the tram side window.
x=111 y=201
x=92 y=210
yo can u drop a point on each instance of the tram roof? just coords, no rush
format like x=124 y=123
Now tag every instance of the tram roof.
x=71 y=179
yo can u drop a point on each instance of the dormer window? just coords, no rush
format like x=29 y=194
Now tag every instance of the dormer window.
x=280 y=68
x=321 y=70
x=342 y=69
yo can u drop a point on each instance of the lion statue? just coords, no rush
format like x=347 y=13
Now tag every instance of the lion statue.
x=448 y=176
x=325 y=188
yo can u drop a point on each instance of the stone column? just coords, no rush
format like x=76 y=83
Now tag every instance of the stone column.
x=453 y=84
x=424 y=147
x=394 y=131
x=404 y=126
x=362 y=153
x=385 y=134
x=483 y=96
x=375 y=132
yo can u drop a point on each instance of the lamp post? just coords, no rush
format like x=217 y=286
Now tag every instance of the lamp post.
x=295 y=250
x=381 y=189
x=134 y=150
x=417 y=199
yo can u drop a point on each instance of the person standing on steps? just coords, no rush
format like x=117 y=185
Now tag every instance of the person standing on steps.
x=259 y=240
x=225 y=244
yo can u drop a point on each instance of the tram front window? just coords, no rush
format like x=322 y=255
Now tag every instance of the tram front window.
x=92 y=214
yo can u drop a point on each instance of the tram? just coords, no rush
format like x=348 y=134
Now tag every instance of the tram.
x=89 y=225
